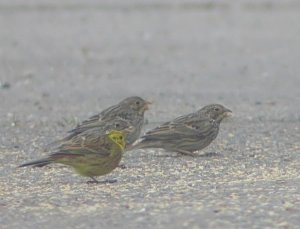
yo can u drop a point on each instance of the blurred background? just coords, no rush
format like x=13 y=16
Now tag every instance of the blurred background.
x=75 y=57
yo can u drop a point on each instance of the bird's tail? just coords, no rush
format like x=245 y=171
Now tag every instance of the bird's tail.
x=38 y=163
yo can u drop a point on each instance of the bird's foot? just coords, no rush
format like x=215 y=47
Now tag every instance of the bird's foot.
x=94 y=181
x=187 y=153
x=167 y=155
x=179 y=154
x=210 y=154
x=122 y=166
x=109 y=181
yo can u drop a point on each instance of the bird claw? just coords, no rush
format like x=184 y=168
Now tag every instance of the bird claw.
x=210 y=154
x=94 y=181
x=122 y=166
x=110 y=181
x=186 y=153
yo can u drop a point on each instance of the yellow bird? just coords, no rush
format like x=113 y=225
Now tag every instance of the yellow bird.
x=89 y=153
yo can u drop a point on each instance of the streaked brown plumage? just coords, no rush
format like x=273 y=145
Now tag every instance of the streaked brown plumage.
x=131 y=109
x=187 y=133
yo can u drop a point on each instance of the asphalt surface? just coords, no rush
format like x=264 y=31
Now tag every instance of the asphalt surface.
x=62 y=61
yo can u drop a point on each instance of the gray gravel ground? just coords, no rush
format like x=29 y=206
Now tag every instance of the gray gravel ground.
x=62 y=61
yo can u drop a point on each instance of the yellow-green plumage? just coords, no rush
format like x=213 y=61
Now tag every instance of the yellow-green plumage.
x=90 y=156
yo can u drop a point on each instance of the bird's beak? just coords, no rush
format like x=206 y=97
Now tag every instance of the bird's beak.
x=228 y=113
x=147 y=103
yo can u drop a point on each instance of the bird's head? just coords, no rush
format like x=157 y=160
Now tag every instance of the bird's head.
x=136 y=103
x=216 y=112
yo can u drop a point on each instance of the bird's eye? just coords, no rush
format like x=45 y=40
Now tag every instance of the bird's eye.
x=217 y=109
x=137 y=102
x=121 y=138
x=117 y=125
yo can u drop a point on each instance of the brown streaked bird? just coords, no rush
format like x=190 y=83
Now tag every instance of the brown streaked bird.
x=131 y=109
x=188 y=133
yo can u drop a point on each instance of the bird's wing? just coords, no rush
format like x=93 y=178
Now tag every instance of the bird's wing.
x=94 y=120
x=165 y=131
x=108 y=113
x=184 y=118
x=90 y=141
x=86 y=124
x=184 y=127
x=202 y=126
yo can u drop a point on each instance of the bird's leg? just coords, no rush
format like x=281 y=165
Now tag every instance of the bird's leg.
x=187 y=153
x=122 y=166
x=110 y=181
x=93 y=181
x=210 y=154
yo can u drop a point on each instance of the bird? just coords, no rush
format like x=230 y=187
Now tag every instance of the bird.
x=188 y=133
x=130 y=109
x=89 y=153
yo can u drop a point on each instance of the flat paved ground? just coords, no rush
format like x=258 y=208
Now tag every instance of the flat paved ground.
x=62 y=61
